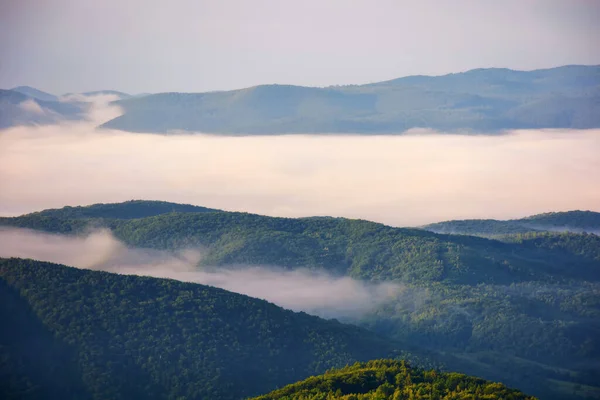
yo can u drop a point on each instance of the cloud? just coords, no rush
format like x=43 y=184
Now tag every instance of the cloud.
x=400 y=180
x=97 y=250
x=315 y=292
x=100 y=108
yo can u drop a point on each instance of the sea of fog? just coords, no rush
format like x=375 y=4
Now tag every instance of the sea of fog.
x=410 y=179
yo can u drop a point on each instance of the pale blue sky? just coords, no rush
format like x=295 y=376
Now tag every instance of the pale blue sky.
x=192 y=45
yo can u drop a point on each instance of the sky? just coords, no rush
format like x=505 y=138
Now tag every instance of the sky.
x=140 y=46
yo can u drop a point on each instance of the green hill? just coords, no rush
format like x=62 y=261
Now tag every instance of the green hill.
x=392 y=380
x=79 y=334
x=126 y=210
x=361 y=249
x=576 y=221
x=524 y=311
x=571 y=219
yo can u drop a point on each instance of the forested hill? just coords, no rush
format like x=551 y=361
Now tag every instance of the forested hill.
x=125 y=210
x=524 y=312
x=392 y=380
x=568 y=221
x=361 y=249
x=79 y=334
x=480 y=100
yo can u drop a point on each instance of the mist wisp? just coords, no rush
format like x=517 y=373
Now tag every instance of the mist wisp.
x=314 y=292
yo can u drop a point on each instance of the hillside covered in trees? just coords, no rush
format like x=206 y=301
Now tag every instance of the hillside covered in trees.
x=392 y=380
x=126 y=210
x=569 y=221
x=80 y=334
x=524 y=311
x=358 y=248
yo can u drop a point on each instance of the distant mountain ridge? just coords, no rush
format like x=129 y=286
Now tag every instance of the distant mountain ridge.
x=35 y=93
x=26 y=106
x=18 y=109
x=120 y=95
x=481 y=100
x=567 y=221
x=477 y=101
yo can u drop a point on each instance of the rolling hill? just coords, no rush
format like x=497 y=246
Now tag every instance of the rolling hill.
x=360 y=249
x=481 y=100
x=523 y=311
x=126 y=210
x=568 y=221
x=477 y=101
x=80 y=334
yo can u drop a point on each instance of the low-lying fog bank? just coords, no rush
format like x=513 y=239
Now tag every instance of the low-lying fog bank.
x=411 y=179
x=314 y=292
x=404 y=180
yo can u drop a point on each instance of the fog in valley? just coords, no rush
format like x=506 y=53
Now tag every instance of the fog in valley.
x=411 y=179
x=314 y=292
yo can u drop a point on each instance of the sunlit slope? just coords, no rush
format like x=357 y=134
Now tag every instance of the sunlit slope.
x=392 y=380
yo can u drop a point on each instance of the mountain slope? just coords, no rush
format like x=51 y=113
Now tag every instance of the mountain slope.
x=393 y=380
x=134 y=337
x=482 y=100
